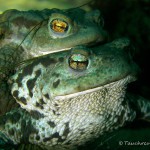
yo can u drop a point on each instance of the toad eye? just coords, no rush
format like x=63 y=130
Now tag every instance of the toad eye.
x=78 y=62
x=59 y=26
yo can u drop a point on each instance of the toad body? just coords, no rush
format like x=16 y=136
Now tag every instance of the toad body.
x=29 y=34
x=71 y=97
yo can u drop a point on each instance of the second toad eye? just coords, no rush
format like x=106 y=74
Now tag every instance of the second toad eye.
x=78 y=62
x=59 y=26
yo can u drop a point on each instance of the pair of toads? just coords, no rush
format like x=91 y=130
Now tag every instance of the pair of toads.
x=61 y=84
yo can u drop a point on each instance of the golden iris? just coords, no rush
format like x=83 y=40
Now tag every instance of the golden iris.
x=59 y=26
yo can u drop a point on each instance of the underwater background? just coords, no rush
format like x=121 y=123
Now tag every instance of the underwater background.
x=126 y=18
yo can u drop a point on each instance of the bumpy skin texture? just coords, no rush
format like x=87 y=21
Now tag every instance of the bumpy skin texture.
x=61 y=107
x=28 y=34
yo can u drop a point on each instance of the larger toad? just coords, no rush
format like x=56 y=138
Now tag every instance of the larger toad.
x=71 y=97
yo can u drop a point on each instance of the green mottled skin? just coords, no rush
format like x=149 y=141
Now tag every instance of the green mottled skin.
x=62 y=108
x=26 y=34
